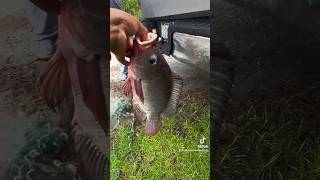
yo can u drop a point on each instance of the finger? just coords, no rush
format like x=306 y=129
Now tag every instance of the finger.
x=130 y=49
x=130 y=44
x=122 y=60
x=142 y=33
x=129 y=53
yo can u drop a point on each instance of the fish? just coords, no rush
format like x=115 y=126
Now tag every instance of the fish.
x=154 y=89
x=79 y=68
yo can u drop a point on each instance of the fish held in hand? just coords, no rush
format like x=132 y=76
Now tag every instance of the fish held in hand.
x=77 y=78
x=155 y=89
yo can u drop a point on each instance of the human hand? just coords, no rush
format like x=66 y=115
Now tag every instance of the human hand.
x=122 y=26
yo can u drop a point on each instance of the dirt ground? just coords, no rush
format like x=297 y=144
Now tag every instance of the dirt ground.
x=115 y=88
x=20 y=100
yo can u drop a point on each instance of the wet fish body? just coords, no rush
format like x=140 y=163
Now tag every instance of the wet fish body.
x=155 y=88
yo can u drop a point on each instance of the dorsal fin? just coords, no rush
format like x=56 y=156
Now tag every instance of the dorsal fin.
x=177 y=84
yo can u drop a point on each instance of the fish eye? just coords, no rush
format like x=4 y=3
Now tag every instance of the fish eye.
x=153 y=60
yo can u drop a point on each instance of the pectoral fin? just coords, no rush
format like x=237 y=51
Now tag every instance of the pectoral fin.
x=55 y=81
x=177 y=84
x=139 y=114
x=127 y=87
x=138 y=88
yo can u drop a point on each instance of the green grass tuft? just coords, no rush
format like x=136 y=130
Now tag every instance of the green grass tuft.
x=131 y=7
x=265 y=145
x=136 y=156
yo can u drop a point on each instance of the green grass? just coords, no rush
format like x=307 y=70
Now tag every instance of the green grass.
x=131 y=7
x=136 y=156
x=268 y=145
x=274 y=136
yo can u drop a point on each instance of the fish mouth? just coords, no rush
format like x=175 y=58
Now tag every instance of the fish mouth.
x=152 y=39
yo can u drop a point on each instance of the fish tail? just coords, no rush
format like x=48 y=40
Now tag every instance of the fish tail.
x=152 y=126
x=55 y=81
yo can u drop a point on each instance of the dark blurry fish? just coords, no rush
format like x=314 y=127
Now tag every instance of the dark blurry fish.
x=154 y=87
x=79 y=66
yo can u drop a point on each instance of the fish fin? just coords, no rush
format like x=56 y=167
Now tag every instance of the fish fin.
x=177 y=84
x=55 y=81
x=152 y=125
x=89 y=77
x=127 y=87
x=138 y=88
x=139 y=114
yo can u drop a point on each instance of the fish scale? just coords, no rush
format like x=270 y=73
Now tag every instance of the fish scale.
x=155 y=89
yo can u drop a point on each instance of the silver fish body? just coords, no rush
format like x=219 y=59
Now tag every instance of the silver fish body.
x=155 y=88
